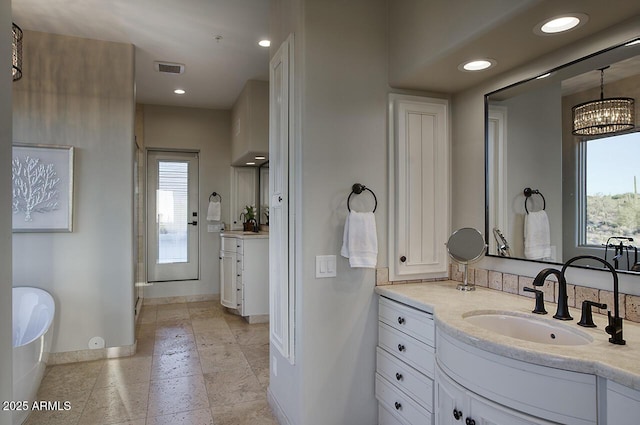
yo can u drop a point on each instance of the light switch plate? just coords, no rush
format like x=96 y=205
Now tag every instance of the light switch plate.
x=325 y=266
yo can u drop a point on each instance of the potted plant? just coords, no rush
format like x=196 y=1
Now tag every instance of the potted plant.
x=248 y=217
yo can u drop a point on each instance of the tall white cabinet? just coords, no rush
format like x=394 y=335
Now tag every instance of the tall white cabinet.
x=244 y=274
x=419 y=187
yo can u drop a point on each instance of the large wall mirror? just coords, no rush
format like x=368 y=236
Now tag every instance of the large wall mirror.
x=587 y=186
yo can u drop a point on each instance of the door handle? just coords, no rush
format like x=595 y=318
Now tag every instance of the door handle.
x=193 y=223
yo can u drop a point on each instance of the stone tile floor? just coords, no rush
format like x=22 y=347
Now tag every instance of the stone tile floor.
x=195 y=365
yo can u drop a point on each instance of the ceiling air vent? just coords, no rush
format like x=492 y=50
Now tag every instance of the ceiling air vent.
x=169 y=67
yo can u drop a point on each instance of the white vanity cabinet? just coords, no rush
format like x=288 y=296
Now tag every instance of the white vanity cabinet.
x=244 y=274
x=419 y=181
x=405 y=365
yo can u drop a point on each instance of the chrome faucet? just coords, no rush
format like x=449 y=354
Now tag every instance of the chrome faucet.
x=562 y=313
x=615 y=323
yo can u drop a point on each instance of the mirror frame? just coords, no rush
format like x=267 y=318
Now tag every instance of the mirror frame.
x=489 y=232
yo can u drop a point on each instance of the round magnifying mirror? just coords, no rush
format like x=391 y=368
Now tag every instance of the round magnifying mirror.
x=464 y=246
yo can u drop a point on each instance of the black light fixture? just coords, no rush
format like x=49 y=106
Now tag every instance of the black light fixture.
x=603 y=116
x=16 y=52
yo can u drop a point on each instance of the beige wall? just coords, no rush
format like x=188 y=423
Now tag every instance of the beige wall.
x=80 y=92
x=209 y=132
x=5 y=213
x=341 y=84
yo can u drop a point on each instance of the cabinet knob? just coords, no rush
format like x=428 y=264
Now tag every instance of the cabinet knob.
x=401 y=347
x=457 y=414
x=399 y=376
x=398 y=405
x=401 y=320
x=470 y=421
x=403 y=259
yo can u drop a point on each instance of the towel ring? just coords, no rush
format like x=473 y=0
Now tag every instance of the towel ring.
x=358 y=188
x=528 y=192
x=213 y=195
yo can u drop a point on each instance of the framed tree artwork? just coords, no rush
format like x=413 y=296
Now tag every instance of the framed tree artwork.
x=42 y=177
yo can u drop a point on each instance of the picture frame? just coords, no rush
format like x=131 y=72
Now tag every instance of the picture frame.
x=42 y=180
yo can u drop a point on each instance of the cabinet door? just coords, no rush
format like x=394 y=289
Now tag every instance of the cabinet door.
x=623 y=405
x=228 y=290
x=419 y=198
x=483 y=412
x=451 y=401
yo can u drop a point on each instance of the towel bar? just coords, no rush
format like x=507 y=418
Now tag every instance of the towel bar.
x=358 y=188
x=214 y=194
x=528 y=192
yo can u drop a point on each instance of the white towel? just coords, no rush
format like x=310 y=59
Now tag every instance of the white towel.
x=213 y=212
x=537 y=239
x=360 y=240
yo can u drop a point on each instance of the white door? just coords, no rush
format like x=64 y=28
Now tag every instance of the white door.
x=172 y=216
x=281 y=236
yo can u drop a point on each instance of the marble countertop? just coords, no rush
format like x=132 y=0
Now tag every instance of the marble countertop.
x=245 y=235
x=619 y=363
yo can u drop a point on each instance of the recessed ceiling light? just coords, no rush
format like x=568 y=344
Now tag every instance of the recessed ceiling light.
x=179 y=91
x=264 y=43
x=477 y=65
x=560 y=24
x=251 y=163
x=260 y=157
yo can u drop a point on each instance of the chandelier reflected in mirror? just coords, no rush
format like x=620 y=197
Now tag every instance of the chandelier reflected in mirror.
x=603 y=116
x=16 y=52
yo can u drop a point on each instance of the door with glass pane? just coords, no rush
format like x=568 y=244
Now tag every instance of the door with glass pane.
x=172 y=216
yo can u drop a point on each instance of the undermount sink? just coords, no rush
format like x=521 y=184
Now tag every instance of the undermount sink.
x=527 y=328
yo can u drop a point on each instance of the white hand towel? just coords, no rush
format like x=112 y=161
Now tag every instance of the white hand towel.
x=360 y=240
x=537 y=237
x=213 y=212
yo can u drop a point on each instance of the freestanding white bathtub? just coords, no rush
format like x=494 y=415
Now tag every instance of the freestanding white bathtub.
x=33 y=311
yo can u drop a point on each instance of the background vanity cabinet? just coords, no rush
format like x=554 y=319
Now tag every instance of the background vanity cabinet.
x=419 y=182
x=405 y=364
x=244 y=275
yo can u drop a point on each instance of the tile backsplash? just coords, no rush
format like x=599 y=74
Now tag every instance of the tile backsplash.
x=515 y=284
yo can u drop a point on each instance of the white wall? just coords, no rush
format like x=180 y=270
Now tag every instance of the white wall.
x=342 y=86
x=468 y=148
x=5 y=212
x=80 y=92
x=209 y=132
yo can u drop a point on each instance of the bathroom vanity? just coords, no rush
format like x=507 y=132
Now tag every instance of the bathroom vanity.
x=244 y=274
x=438 y=365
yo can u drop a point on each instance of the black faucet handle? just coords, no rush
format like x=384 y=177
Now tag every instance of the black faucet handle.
x=615 y=329
x=539 y=308
x=586 y=319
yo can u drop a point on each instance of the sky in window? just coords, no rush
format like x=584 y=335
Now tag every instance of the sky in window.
x=612 y=164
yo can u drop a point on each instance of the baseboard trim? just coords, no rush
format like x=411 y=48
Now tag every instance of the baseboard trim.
x=181 y=299
x=276 y=409
x=66 y=357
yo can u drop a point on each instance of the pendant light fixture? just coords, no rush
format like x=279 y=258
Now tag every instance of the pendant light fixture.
x=16 y=52
x=603 y=116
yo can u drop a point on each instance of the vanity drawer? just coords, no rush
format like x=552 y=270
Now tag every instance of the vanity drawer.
x=228 y=244
x=386 y=418
x=400 y=405
x=415 y=384
x=406 y=348
x=240 y=246
x=407 y=319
